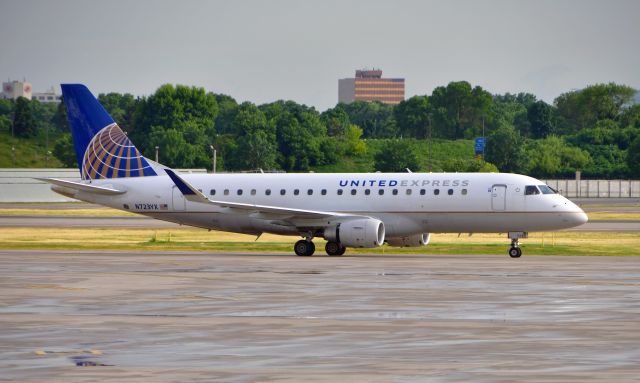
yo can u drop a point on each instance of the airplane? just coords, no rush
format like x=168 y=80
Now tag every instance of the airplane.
x=358 y=210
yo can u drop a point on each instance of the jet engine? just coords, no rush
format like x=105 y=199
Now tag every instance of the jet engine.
x=415 y=240
x=357 y=232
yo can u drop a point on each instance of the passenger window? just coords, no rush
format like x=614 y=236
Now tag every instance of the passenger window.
x=464 y=191
x=450 y=191
x=310 y=192
x=436 y=191
x=531 y=190
x=212 y=192
x=283 y=192
x=367 y=191
x=408 y=191
x=423 y=192
x=339 y=191
x=296 y=192
x=323 y=192
x=395 y=191
x=267 y=192
x=353 y=191
x=253 y=191
x=239 y=191
x=381 y=191
x=226 y=191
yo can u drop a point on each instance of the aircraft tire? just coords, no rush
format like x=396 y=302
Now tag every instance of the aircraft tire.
x=515 y=252
x=334 y=248
x=304 y=248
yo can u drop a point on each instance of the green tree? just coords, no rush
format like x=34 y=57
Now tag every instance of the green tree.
x=511 y=109
x=462 y=165
x=353 y=145
x=459 y=109
x=6 y=118
x=397 y=156
x=631 y=117
x=336 y=120
x=375 y=118
x=175 y=151
x=633 y=157
x=582 y=109
x=24 y=124
x=505 y=149
x=552 y=157
x=65 y=152
x=187 y=113
x=540 y=117
x=60 y=120
x=254 y=143
x=227 y=110
x=413 y=117
x=259 y=150
x=6 y=110
x=121 y=107
x=298 y=147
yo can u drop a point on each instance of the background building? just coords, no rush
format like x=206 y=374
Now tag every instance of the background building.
x=48 y=96
x=368 y=85
x=15 y=89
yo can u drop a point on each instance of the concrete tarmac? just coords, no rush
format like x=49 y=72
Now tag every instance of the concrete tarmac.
x=139 y=317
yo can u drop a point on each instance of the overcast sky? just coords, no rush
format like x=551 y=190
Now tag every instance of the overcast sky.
x=262 y=51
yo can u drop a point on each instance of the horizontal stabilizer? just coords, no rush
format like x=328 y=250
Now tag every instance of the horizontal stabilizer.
x=82 y=187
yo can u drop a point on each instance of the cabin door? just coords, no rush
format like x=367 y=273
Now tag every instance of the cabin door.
x=498 y=197
x=177 y=199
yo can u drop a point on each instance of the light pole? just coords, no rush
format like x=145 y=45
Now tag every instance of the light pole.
x=213 y=159
x=429 y=117
x=157 y=148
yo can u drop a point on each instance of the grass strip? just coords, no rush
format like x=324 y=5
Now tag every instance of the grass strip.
x=556 y=243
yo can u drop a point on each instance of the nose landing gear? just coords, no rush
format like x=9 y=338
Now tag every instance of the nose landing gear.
x=515 y=251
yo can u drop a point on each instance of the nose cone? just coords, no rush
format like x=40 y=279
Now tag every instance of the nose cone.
x=574 y=215
x=580 y=218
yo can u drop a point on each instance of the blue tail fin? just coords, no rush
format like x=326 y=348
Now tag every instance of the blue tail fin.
x=103 y=150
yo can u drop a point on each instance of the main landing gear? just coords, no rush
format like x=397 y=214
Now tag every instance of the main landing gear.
x=515 y=251
x=306 y=248
x=334 y=248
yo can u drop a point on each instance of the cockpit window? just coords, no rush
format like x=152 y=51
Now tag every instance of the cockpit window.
x=531 y=190
x=546 y=189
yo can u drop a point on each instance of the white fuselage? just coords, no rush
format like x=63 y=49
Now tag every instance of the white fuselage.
x=410 y=203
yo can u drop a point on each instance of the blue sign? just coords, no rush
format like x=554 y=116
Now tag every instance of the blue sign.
x=479 y=145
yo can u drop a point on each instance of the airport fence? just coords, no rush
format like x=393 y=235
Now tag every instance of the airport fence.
x=596 y=188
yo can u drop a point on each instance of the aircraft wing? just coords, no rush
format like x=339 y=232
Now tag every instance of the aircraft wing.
x=194 y=195
x=82 y=186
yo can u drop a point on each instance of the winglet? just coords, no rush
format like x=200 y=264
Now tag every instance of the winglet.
x=190 y=193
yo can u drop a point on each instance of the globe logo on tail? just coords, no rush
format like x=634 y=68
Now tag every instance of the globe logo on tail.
x=111 y=154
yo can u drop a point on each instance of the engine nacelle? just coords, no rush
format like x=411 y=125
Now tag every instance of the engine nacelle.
x=358 y=232
x=415 y=240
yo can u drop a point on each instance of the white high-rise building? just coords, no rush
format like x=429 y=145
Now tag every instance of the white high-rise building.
x=15 y=89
